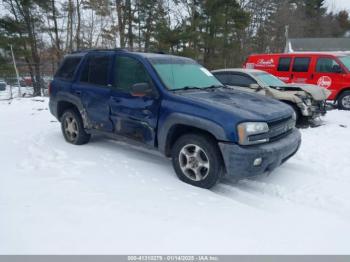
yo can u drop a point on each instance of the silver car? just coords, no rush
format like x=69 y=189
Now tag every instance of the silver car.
x=308 y=101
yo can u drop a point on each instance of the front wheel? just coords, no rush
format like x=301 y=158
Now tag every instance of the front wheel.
x=197 y=160
x=344 y=101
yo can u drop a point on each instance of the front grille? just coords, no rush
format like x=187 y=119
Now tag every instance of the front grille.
x=279 y=121
x=277 y=130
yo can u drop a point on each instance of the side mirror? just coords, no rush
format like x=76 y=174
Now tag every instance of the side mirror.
x=141 y=89
x=254 y=86
x=337 y=69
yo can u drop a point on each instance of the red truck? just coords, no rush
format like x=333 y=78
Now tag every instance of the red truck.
x=329 y=70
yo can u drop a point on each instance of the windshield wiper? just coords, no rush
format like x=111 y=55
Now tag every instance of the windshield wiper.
x=215 y=86
x=199 y=88
x=188 y=88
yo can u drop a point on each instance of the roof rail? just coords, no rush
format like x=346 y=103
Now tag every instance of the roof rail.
x=99 y=49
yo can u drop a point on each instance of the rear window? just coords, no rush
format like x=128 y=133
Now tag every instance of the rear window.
x=301 y=64
x=284 y=64
x=68 y=68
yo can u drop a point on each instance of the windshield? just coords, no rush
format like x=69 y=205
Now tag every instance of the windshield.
x=346 y=61
x=179 y=73
x=268 y=79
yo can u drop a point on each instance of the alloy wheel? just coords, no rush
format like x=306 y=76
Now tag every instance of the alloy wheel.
x=194 y=162
x=71 y=128
x=346 y=102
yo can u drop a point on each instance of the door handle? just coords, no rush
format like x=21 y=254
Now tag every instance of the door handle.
x=312 y=76
x=77 y=92
x=291 y=76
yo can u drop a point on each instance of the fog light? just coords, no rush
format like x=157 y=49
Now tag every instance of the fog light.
x=257 y=161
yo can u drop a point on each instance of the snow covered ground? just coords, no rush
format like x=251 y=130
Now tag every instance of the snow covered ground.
x=16 y=92
x=110 y=198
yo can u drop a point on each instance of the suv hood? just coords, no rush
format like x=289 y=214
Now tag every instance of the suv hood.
x=316 y=92
x=251 y=107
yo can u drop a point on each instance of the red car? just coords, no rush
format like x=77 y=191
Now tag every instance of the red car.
x=329 y=70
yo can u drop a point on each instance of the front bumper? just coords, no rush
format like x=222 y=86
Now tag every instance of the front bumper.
x=239 y=160
x=318 y=108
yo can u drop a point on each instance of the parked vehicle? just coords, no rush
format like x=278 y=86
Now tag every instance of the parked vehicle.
x=308 y=101
x=328 y=70
x=22 y=83
x=174 y=105
x=26 y=81
x=2 y=85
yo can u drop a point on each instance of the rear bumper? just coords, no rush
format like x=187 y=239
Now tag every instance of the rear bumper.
x=239 y=160
x=53 y=107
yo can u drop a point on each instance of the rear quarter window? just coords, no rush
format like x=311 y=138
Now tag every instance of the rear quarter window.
x=284 y=64
x=222 y=77
x=68 y=68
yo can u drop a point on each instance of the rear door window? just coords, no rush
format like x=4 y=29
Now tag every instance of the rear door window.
x=284 y=64
x=240 y=80
x=96 y=70
x=68 y=68
x=301 y=64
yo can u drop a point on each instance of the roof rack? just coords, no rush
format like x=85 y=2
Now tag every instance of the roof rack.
x=99 y=49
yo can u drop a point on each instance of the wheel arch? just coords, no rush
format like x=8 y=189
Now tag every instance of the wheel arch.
x=179 y=124
x=341 y=92
x=66 y=101
x=63 y=106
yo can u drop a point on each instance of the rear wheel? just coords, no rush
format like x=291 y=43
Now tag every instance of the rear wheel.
x=344 y=101
x=197 y=160
x=73 y=128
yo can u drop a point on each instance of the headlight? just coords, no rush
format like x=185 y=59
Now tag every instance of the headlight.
x=245 y=130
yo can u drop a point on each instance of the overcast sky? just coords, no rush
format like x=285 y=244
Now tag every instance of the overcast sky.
x=337 y=5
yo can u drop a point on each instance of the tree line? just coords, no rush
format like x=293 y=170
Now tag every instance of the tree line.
x=217 y=33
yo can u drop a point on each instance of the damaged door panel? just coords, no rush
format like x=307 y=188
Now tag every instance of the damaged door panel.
x=133 y=115
x=93 y=88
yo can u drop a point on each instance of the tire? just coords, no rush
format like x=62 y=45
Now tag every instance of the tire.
x=73 y=128
x=207 y=161
x=344 y=101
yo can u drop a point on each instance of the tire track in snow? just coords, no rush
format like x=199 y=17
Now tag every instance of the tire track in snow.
x=251 y=192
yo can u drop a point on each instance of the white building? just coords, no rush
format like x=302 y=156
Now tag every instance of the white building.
x=294 y=45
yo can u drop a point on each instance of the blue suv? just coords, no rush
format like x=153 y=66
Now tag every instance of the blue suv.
x=176 y=106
